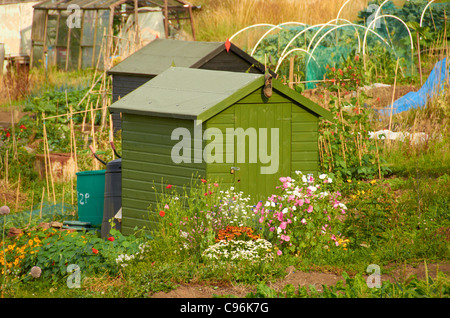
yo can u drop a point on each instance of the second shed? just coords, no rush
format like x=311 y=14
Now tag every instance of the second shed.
x=160 y=54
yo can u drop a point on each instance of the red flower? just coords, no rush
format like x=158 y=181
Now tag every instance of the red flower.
x=333 y=69
x=357 y=58
x=8 y=134
x=162 y=213
x=94 y=250
x=22 y=127
x=111 y=239
x=203 y=180
x=205 y=194
x=169 y=186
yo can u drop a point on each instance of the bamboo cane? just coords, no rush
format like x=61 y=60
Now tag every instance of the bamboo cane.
x=291 y=72
x=49 y=160
x=111 y=134
x=74 y=140
x=13 y=133
x=31 y=207
x=71 y=189
x=85 y=113
x=62 y=204
x=331 y=153
x=42 y=202
x=93 y=135
x=17 y=192
x=393 y=95
x=6 y=167
x=378 y=157
x=45 y=155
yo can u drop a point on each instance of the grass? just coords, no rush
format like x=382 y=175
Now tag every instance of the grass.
x=219 y=20
x=15 y=89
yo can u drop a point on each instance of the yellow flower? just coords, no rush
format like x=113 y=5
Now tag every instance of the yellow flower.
x=349 y=181
x=373 y=181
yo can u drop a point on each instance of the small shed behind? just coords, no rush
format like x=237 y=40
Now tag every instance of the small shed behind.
x=221 y=118
x=160 y=54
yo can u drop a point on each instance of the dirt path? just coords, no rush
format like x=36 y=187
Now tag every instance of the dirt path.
x=298 y=278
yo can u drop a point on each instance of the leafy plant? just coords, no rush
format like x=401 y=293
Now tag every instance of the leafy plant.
x=345 y=146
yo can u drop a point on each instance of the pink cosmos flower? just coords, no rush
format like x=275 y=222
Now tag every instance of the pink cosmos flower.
x=166 y=206
x=283 y=225
x=310 y=209
x=279 y=252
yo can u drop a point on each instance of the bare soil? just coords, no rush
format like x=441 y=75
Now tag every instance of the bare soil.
x=299 y=278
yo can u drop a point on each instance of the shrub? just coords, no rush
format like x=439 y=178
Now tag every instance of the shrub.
x=303 y=217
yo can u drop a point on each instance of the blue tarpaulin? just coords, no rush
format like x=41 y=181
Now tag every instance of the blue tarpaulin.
x=436 y=81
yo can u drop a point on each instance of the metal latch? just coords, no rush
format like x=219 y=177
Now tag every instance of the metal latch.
x=233 y=169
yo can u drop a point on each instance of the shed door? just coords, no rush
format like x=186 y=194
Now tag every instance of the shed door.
x=272 y=124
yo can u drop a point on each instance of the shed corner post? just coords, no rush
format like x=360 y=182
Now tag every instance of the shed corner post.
x=192 y=22
x=166 y=19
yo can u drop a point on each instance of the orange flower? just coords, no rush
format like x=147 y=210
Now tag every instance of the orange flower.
x=111 y=239
x=162 y=213
x=94 y=250
x=203 y=180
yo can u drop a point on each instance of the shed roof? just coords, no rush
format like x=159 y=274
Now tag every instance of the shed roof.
x=198 y=94
x=160 y=54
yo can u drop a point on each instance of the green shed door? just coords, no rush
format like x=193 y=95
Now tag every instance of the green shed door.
x=272 y=124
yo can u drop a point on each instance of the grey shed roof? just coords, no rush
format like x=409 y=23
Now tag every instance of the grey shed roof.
x=160 y=54
x=198 y=94
x=183 y=92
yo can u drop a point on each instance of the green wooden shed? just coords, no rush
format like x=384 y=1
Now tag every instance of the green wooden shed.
x=216 y=124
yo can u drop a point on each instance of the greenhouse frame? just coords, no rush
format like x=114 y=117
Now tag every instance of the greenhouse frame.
x=76 y=34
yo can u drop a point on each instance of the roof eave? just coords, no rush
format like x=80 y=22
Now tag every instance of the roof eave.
x=302 y=100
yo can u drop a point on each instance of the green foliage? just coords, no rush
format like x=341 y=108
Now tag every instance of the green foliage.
x=346 y=148
x=55 y=102
x=357 y=287
x=54 y=250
